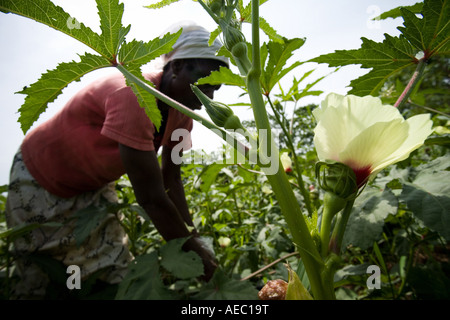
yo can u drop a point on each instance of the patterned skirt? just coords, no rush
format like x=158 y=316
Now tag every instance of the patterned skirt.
x=105 y=250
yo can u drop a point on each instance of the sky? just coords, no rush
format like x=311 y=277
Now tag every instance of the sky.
x=30 y=48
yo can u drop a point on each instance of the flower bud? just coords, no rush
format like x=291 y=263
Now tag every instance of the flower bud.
x=232 y=36
x=220 y=113
x=337 y=178
x=224 y=242
x=216 y=6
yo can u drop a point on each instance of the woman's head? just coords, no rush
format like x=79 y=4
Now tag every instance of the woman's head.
x=181 y=73
x=192 y=58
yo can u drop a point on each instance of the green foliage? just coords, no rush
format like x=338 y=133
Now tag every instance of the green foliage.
x=427 y=36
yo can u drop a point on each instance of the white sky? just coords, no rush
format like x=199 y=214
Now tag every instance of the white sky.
x=30 y=48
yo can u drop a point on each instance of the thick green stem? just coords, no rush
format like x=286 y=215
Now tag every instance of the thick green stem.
x=339 y=230
x=332 y=204
x=278 y=180
x=411 y=84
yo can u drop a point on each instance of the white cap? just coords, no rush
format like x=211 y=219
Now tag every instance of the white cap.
x=193 y=43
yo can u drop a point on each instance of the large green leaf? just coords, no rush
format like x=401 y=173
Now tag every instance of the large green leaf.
x=429 y=34
x=223 y=76
x=51 y=84
x=366 y=221
x=113 y=33
x=143 y=280
x=278 y=55
x=137 y=53
x=428 y=196
x=181 y=264
x=220 y=287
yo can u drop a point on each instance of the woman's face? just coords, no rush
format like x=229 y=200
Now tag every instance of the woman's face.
x=187 y=72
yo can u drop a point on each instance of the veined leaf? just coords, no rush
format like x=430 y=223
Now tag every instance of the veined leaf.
x=278 y=54
x=145 y=99
x=113 y=33
x=44 y=11
x=136 y=53
x=223 y=76
x=181 y=264
x=161 y=4
x=246 y=15
x=430 y=35
x=139 y=52
x=51 y=83
x=386 y=59
x=431 y=32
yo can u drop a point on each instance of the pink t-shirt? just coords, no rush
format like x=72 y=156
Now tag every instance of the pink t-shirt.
x=77 y=150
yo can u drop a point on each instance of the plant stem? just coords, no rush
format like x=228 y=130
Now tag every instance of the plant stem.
x=412 y=83
x=332 y=204
x=339 y=229
x=278 y=180
x=269 y=265
x=299 y=171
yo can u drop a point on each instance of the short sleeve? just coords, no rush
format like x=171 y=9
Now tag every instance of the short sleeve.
x=126 y=122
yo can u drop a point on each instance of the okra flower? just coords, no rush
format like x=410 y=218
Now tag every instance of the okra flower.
x=366 y=135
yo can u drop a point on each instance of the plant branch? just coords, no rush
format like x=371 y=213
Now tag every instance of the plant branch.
x=269 y=265
x=411 y=84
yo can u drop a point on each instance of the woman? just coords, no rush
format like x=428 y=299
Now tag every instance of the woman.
x=71 y=162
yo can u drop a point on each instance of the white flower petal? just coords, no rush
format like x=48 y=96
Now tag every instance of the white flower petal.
x=341 y=119
x=419 y=128
x=374 y=144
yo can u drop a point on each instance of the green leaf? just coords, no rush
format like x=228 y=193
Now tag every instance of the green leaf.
x=430 y=34
x=223 y=76
x=295 y=289
x=278 y=54
x=431 y=209
x=385 y=59
x=246 y=15
x=113 y=33
x=51 y=83
x=366 y=221
x=145 y=99
x=181 y=264
x=161 y=4
x=220 y=287
x=143 y=280
x=136 y=53
x=432 y=31
x=139 y=52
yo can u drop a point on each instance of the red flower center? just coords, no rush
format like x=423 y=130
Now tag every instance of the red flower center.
x=361 y=175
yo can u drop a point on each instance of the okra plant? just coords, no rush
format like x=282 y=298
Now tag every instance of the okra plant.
x=356 y=136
